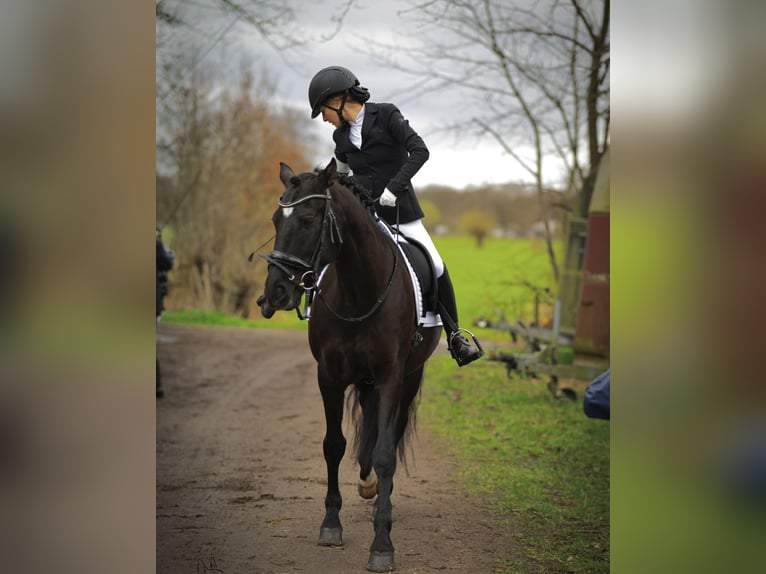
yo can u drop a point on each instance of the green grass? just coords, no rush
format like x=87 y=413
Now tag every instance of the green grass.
x=542 y=463
x=490 y=278
x=281 y=320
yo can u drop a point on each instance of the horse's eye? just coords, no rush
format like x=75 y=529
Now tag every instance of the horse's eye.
x=307 y=219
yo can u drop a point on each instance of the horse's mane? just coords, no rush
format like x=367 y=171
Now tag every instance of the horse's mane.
x=362 y=193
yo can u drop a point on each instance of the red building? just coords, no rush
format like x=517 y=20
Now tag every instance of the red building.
x=592 y=330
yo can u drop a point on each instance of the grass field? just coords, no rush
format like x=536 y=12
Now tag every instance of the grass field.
x=492 y=278
x=541 y=462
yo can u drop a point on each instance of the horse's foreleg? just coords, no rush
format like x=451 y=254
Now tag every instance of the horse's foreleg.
x=384 y=462
x=334 y=446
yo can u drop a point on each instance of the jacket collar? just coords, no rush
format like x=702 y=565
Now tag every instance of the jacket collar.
x=370 y=117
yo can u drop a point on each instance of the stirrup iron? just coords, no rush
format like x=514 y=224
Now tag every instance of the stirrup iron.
x=459 y=330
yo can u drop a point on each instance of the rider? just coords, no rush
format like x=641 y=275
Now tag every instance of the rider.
x=165 y=259
x=384 y=152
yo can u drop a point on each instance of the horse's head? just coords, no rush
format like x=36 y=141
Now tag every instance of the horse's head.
x=306 y=238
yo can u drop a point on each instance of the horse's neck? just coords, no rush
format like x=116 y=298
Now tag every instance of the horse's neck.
x=366 y=255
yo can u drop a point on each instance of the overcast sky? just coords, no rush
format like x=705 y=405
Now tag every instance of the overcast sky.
x=455 y=161
x=452 y=162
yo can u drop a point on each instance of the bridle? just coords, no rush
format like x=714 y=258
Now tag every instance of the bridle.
x=308 y=271
x=286 y=262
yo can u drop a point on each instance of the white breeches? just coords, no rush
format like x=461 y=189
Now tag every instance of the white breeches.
x=417 y=231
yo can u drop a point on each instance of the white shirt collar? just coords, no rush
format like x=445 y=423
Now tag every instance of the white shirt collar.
x=355 y=129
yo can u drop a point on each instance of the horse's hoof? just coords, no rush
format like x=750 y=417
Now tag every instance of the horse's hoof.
x=369 y=488
x=381 y=561
x=368 y=492
x=330 y=536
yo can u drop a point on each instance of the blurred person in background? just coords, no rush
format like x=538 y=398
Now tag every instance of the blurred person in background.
x=596 y=404
x=165 y=259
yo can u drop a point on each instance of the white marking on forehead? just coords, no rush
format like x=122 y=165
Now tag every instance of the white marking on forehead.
x=287 y=212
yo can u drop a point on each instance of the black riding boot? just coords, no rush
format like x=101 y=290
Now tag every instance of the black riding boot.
x=462 y=350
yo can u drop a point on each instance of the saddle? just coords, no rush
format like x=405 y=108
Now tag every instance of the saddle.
x=424 y=269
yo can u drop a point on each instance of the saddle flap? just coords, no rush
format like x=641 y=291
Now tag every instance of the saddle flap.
x=424 y=269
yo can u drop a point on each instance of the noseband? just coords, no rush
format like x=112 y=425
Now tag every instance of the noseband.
x=286 y=262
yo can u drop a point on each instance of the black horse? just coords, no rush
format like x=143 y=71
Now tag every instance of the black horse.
x=363 y=333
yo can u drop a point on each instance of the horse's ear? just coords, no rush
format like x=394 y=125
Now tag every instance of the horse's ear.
x=285 y=173
x=330 y=171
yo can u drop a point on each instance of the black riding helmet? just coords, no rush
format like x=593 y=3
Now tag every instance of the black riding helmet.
x=330 y=81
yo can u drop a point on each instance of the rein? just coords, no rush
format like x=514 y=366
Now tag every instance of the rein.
x=377 y=304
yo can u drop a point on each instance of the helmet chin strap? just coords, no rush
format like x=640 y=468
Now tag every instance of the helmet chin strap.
x=339 y=111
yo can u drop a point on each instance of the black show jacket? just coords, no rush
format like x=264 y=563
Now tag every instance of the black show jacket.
x=392 y=153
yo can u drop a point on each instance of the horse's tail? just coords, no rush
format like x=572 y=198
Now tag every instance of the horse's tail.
x=406 y=424
x=365 y=428
x=409 y=422
x=364 y=418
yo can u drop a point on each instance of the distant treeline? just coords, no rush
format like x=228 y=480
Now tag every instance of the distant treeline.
x=510 y=210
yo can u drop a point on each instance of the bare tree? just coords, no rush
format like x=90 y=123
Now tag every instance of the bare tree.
x=188 y=32
x=534 y=77
x=273 y=20
x=218 y=140
x=196 y=29
x=220 y=155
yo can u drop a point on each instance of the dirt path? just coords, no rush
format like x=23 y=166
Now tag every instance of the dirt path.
x=241 y=478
